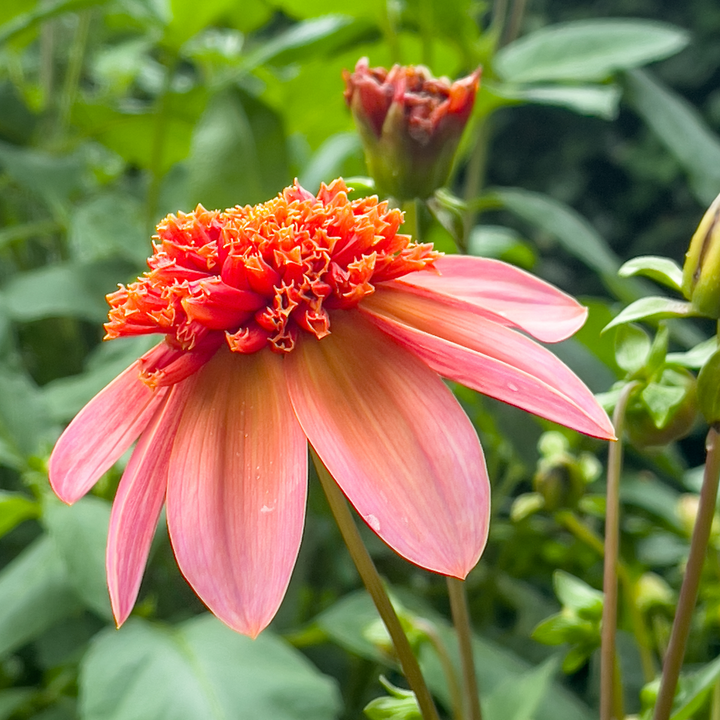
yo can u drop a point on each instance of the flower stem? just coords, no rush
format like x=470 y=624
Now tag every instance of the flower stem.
x=610 y=682
x=461 y=620
x=691 y=581
x=454 y=689
x=369 y=574
x=74 y=70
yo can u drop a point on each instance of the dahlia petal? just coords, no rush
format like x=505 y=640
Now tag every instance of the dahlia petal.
x=396 y=441
x=101 y=432
x=525 y=301
x=138 y=502
x=237 y=487
x=490 y=358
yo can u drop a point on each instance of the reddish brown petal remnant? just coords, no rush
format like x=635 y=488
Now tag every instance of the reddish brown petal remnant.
x=257 y=276
x=410 y=124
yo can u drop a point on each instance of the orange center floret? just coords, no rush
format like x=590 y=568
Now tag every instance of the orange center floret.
x=256 y=276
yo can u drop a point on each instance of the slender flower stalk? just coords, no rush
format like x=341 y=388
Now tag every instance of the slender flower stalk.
x=610 y=686
x=368 y=572
x=463 y=629
x=309 y=318
x=691 y=581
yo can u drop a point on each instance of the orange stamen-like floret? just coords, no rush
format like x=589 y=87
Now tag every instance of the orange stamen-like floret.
x=257 y=276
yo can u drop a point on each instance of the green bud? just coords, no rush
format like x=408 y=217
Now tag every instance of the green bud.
x=687 y=510
x=664 y=410
x=701 y=272
x=652 y=592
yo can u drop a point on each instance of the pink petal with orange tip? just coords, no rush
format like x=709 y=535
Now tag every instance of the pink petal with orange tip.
x=396 y=441
x=138 y=502
x=101 y=432
x=466 y=347
x=237 y=487
x=523 y=300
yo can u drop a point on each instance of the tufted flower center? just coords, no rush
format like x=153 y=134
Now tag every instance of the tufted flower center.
x=258 y=276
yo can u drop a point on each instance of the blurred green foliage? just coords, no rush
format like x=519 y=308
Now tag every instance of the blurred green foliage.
x=578 y=157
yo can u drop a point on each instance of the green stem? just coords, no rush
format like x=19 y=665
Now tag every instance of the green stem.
x=72 y=76
x=513 y=27
x=691 y=581
x=158 y=146
x=610 y=693
x=411 y=225
x=461 y=620
x=456 y=694
x=715 y=703
x=369 y=574
x=475 y=178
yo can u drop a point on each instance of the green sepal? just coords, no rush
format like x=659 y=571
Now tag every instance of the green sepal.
x=661 y=269
x=632 y=347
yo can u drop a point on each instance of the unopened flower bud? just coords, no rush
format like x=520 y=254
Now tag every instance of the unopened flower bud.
x=410 y=124
x=652 y=592
x=664 y=411
x=560 y=482
x=687 y=510
x=701 y=272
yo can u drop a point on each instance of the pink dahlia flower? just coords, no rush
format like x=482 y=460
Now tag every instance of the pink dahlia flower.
x=309 y=319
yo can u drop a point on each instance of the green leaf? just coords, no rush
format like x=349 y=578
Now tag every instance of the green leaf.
x=653 y=308
x=53 y=178
x=12 y=699
x=109 y=225
x=69 y=289
x=39 y=13
x=66 y=396
x=694 y=689
x=578 y=595
x=34 y=595
x=188 y=18
x=595 y=100
x=132 y=135
x=199 y=669
x=318 y=34
x=502 y=243
x=661 y=400
x=680 y=127
x=14 y=509
x=345 y=623
x=708 y=389
x=588 y=50
x=519 y=698
x=572 y=231
x=660 y=269
x=326 y=163
x=697 y=356
x=80 y=534
x=312 y=8
x=24 y=419
x=238 y=152
x=632 y=347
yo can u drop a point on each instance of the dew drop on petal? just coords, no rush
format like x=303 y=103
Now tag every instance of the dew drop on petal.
x=512 y=387
x=373 y=522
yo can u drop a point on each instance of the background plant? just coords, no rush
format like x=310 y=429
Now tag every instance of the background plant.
x=114 y=113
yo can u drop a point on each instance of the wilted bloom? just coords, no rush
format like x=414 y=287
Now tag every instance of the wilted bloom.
x=309 y=319
x=410 y=124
